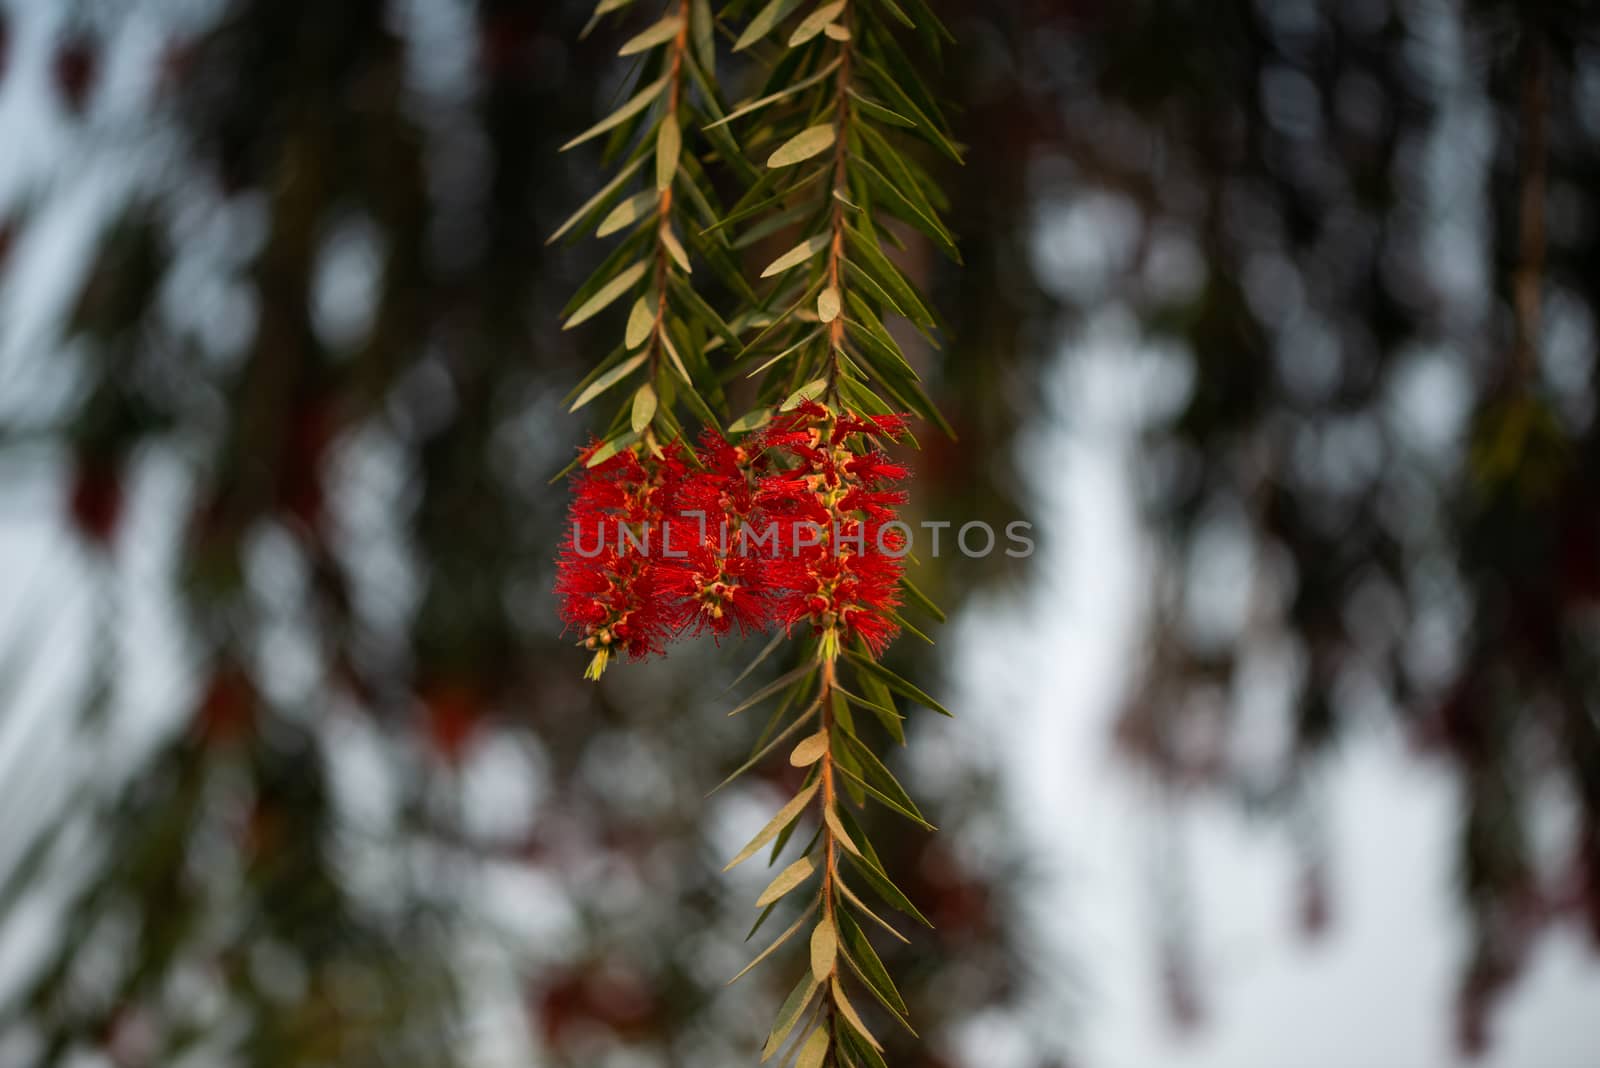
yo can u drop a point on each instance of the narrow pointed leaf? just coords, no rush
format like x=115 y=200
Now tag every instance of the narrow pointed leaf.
x=831 y=817
x=848 y=1011
x=599 y=198
x=772 y=98
x=764 y=22
x=807 y=392
x=864 y=961
x=788 y=678
x=810 y=750
x=812 y=141
x=780 y=940
x=828 y=305
x=797 y=255
x=762 y=753
x=607 y=380
x=669 y=144
x=786 y=880
x=895 y=682
x=606 y=295
x=637 y=103
x=794 y=1007
x=814 y=1051
x=813 y=23
x=824 y=949
x=644 y=408
x=660 y=33
x=641 y=320
x=786 y=815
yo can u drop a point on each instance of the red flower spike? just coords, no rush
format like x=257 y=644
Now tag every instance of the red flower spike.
x=606 y=578
x=793 y=526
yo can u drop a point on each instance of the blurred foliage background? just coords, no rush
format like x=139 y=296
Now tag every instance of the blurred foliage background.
x=279 y=332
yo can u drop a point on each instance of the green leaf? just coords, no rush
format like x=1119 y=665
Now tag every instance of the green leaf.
x=598 y=199
x=696 y=306
x=794 y=1007
x=905 y=625
x=641 y=321
x=780 y=940
x=861 y=907
x=660 y=33
x=921 y=600
x=764 y=22
x=872 y=109
x=884 y=712
x=782 y=94
x=878 y=292
x=871 y=869
x=848 y=1011
x=786 y=880
x=809 y=391
x=786 y=815
x=830 y=817
x=669 y=144
x=797 y=255
x=780 y=220
x=824 y=949
x=902 y=101
x=812 y=141
x=788 y=678
x=897 y=202
x=813 y=23
x=606 y=295
x=644 y=408
x=636 y=104
x=828 y=305
x=754 y=205
x=762 y=753
x=703 y=30
x=863 y=1055
x=607 y=380
x=743 y=425
x=628 y=212
x=881 y=781
x=865 y=252
x=611 y=448
x=675 y=249
x=778 y=638
x=805 y=340
x=895 y=682
x=810 y=750
x=815 y=1050
x=604 y=7
x=865 y=962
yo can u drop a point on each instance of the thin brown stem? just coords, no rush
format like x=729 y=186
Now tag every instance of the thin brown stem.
x=841 y=155
x=680 y=43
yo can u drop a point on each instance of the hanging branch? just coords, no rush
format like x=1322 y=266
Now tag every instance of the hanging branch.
x=841 y=107
x=652 y=264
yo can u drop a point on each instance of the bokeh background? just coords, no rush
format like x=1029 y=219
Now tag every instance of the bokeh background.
x=1278 y=323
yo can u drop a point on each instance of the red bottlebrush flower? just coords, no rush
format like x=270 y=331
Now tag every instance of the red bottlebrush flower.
x=797 y=525
x=96 y=501
x=715 y=591
x=840 y=561
x=227 y=709
x=454 y=711
x=606 y=579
